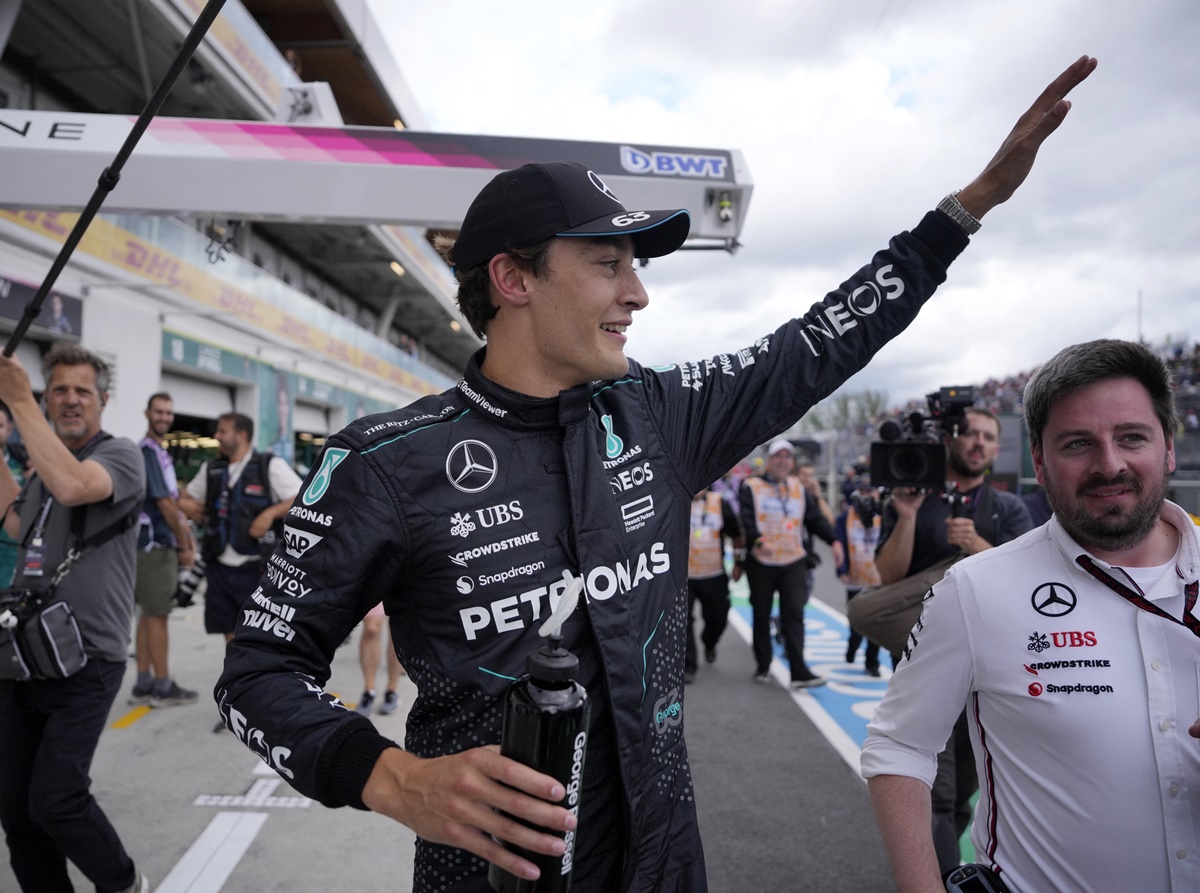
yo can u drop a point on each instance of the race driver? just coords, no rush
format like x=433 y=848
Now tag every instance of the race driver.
x=556 y=457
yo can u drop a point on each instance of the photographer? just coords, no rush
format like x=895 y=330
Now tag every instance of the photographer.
x=919 y=530
x=84 y=488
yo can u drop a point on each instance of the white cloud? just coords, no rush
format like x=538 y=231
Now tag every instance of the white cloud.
x=854 y=119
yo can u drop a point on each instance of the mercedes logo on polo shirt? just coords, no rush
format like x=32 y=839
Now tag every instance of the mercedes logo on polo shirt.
x=471 y=466
x=1054 y=600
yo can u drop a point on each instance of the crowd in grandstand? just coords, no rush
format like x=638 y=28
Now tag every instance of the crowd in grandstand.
x=1003 y=395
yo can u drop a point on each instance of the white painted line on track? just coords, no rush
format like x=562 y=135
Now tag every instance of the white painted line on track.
x=212 y=858
x=845 y=746
x=260 y=794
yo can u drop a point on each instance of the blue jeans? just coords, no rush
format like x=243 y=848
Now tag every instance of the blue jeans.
x=49 y=730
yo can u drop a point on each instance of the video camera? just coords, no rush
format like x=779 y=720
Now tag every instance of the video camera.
x=910 y=452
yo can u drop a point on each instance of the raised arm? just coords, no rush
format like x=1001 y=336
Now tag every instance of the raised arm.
x=1011 y=164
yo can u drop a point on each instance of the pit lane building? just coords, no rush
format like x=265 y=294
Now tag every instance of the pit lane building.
x=267 y=249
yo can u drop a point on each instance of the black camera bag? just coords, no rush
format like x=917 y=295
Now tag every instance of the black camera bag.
x=45 y=643
x=39 y=634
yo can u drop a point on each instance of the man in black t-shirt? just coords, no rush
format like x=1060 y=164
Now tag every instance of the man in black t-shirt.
x=919 y=530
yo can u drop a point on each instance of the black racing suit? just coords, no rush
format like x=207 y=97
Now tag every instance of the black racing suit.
x=469 y=512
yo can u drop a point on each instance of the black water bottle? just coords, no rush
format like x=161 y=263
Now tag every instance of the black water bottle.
x=546 y=728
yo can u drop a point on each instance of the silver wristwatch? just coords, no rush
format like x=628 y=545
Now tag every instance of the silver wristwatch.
x=952 y=208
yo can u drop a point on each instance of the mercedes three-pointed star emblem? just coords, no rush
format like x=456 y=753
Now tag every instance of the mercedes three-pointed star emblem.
x=471 y=466
x=1054 y=599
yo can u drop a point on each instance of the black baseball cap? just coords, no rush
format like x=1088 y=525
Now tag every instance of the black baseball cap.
x=535 y=202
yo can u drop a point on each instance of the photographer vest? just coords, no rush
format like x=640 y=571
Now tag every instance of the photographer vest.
x=706 y=555
x=779 y=517
x=860 y=550
x=230 y=509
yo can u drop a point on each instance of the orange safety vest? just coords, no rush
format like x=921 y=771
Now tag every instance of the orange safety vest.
x=706 y=557
x=779 y=514
x=860 y=550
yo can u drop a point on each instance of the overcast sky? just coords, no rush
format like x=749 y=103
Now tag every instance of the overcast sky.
x=854 y=119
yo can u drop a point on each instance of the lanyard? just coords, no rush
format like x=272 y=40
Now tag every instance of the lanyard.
x=783 y=492
x=1136 y=598
x=35 y=535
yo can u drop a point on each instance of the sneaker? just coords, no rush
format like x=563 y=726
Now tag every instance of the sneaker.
x=710 y=653
x=141 y=884
x=851 y=656
x=391 y=703
x=808 y=680
x=689 y=676
x=762 y=677
x=365 y=703
x=140 y=695
x=220 y=727
x=873 y=670
x=174 y=696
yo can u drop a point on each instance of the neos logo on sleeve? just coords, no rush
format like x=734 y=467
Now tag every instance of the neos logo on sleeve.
x=330 y=460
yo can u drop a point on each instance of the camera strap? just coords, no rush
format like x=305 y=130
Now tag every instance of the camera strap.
x=984 y=514
x=79 y=518
x=1135 y=597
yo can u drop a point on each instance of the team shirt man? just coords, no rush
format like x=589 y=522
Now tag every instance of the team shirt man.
x=918 y=531
x=1074 y=650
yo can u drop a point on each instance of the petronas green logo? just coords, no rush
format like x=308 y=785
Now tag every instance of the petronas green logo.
x=320 y=482
x=612 y=444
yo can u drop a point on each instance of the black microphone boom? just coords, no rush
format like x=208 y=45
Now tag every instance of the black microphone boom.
x=112 y=173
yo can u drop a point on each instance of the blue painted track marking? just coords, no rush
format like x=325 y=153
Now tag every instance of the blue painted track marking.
x=841 y=708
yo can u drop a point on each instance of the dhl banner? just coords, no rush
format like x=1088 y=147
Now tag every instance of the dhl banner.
x=109 y=243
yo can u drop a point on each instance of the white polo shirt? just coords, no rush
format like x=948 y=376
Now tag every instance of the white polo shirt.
x=1079 y=705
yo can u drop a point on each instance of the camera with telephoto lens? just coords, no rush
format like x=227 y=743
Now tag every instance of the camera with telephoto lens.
x=910 y=452
x=866 y=505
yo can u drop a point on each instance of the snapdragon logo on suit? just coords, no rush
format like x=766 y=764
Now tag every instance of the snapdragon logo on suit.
x=330 y=459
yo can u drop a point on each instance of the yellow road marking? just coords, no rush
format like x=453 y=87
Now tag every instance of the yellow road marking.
x=132 y=716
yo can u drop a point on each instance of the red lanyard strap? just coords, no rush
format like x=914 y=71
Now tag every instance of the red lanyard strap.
x=1136 y=598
